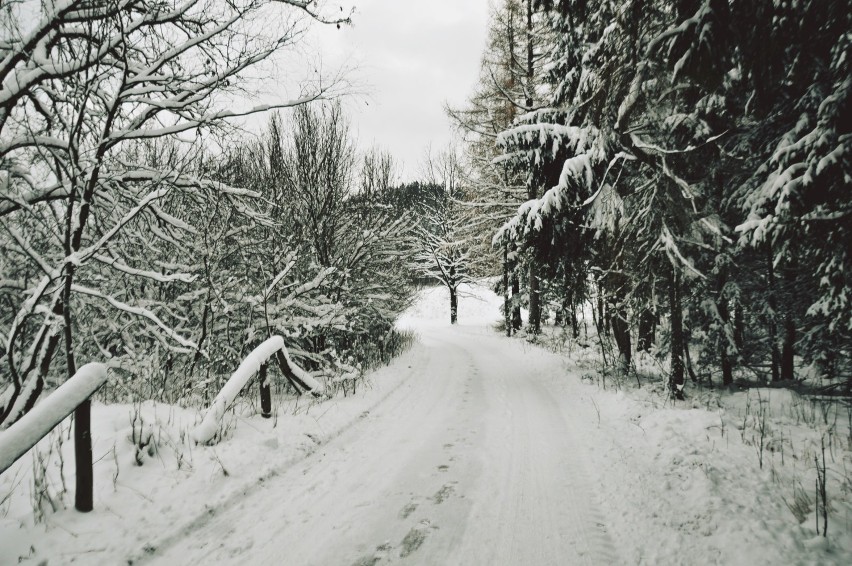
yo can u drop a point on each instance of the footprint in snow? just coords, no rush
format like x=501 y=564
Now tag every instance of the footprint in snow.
x=376 y=557
x=407 y=510
x=415 y=537
x=444 y=493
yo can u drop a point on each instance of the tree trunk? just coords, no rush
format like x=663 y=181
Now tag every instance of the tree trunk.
x=265 y=392
x=575 y=323
x=676 y=381
x=788 y=349
x=507 y=311
x=197 y=356
x=83 y=496
x=647 y=330
x=530 y=68
x=534 y=322
x=84 y=480
x=724 y=314
x=621 y=333
x=775 y=356
x=739 y=326
x=620 y=327
x=687 y=338
x=454 y=305
x=724 y=345
x=516 y=309
x=727 y=368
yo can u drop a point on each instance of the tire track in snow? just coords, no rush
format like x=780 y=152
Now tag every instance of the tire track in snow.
x=330 y=507
x=152 y=549
x=472 y=461
x=543 y=502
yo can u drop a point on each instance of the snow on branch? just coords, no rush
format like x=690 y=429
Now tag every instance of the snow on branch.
x=307 y=6
x=289 y=264
x=161 y=277
x=542 y=134
x=606 y=210
x=181 y=181
x=642 y=144
x=83 y=255
x=311 y=285
x=149 y=133
x=576 y=170
x=313 y=386
x=672 y=250
x=25 y=199
x=575 y=179
x=29 y=306
x=629 y=102
x=32 y=141
x=138 y=311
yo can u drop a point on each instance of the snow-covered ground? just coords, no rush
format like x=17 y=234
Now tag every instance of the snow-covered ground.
x=178 y=483
x=478 y=306
x=468 y=449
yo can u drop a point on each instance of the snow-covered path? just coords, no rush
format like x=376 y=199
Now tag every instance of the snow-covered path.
x=469 y=448
x=473 y=460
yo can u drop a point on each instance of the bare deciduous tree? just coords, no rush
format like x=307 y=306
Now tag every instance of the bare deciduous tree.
x=84 y=84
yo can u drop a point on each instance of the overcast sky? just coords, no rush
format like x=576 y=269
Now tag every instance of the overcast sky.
x=411 y=56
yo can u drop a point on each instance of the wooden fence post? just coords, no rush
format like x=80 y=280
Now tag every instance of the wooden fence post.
x=70 y=397
x=265 y=393
x=83 y=495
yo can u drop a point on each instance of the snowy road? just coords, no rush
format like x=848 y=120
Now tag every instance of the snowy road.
x=473 y=460
x=468 y=449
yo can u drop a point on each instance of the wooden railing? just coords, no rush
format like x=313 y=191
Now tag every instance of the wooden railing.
x=70 y=397
x=73 y=396
x=254 y=363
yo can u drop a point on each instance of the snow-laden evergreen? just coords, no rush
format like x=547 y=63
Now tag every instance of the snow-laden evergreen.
x=687 y=158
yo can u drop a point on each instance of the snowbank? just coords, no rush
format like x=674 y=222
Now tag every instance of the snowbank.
x=720 y=479
x=478 y=306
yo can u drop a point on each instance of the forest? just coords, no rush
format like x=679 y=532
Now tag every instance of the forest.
x=678 y=160
x=142 y=230
x=659 y=178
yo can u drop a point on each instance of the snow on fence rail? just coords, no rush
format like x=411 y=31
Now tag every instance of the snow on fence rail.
x=70 y=397
x=16 y=440
x=254 y=363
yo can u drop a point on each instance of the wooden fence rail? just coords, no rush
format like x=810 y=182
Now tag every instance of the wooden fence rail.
x=71 y=396
x=254 y=363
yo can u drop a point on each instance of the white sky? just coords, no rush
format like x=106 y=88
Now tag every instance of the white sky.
x=410 y=57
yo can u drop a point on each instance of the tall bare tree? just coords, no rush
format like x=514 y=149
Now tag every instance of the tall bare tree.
x=512 y=82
